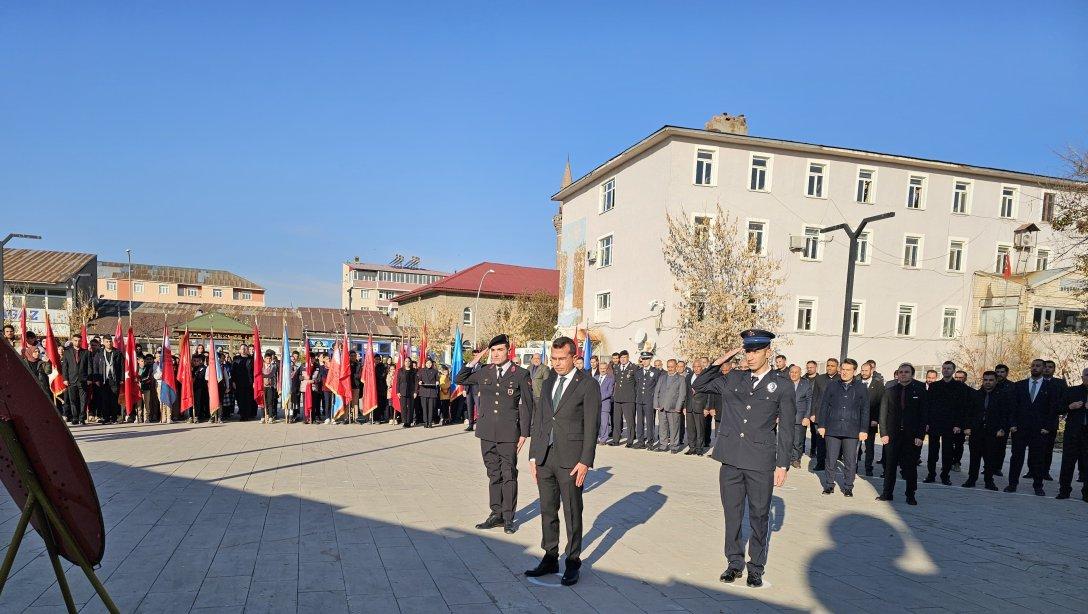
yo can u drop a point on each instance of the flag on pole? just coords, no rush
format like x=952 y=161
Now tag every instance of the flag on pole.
x=168 y=386
x=457 y=362
x=1006 y=267
x=56 y=380
x=543 y=352
x=394 y=397
x=118 y=335
x=332 y=382
x=512 y=354
x=22 y=330
x=343 y=384
x=132 y=379
x=307 y=393
x=185 y=373
x=83 y=343
x=258 y=368
x=423 y=347
x=370 y=382
x=587 y=350
x=285 y=376
x=214 y=377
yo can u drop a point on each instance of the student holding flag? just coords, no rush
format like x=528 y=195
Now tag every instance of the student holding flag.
x=285 y=377
x=168 y=387
x=215 y=375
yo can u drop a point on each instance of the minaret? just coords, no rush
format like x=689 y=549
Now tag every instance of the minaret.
x=566 y=175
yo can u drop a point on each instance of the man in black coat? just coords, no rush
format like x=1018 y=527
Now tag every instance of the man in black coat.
x=819 y=383
x=1074 y=405
x=564 y=429
x=842 y=420
x=902 y=426
x=502 y=426
x=693 y=409
x=876 y=387
x=75 y=367
x=241 y=383
x=108 y=371
x=1048 y=374
x=1035 y=403
x=623 y=400
x=406 y=390
x=753 y=450
x=987 y=427
x=946 y=403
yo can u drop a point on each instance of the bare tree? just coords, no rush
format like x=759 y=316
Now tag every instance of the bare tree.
x=725 y=284
x=81 y=310
x=1070 y=209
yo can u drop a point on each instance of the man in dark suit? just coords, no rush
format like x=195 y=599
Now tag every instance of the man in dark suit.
x=694 y=407
x=1034 y=417
x=987 y=428
x=623 y=400
x=1049 y=367
x=875 y=385
x=902 y=426
x=819 y=384
x=505 y=412
x=561 y=452
x=75 y=366
x=753 y=451
x=946 y=404
x=843 y=420
x=241 y=383
x=802 y=401
x=646 y=378
x=109 y=372
x=1075 y=445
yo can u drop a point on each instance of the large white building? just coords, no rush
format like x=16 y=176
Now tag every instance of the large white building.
x=913 y=282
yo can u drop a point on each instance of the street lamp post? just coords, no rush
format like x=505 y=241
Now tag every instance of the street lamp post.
x=13 y=235
x=476 y=308
x=848 y=299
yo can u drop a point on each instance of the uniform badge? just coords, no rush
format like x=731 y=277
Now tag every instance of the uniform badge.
x=771 y=387
x=509 y=392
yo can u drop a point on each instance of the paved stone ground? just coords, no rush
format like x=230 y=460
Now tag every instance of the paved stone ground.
x=245 y=517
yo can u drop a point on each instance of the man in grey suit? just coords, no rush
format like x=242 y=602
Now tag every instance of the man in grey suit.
x=561 y=451
x=802 y=400
x=753 y=451
x=669 y=399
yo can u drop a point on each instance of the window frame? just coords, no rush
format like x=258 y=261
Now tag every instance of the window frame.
x=217 y=293
x=812 y=319
x=913 y=332
x=611 y=250
x=111 y=285
x=766 y=233
x=602 y=315
x=925 y=191
x=604 y=190
x=868 y=233
x=997 y=251
x=713 y=179
x=963 y=255
x=872 y=185
x=861 y=316
x=918 y=259
x=1015 y=201
x=825 y=184
x=819 y=252
x=767 y=171
x=969 y=195
x=1049 y=256
x=467 y=311
x=137 y=287
x=1043 y=206
x=164 y=290
x=958 y=328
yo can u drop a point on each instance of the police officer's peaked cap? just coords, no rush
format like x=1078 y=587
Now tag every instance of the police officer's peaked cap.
x=646 y=355
x=756 y=339
x=499 y=340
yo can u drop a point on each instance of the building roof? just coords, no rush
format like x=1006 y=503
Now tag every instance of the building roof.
x=370 y=266
x=746 y=140
x=148 y=319
x=507 y=280
x=175 y=275
x=1031 y=279
x=42 y=266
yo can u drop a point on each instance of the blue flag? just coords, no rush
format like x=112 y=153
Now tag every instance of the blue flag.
x=587 y=351
x=285 y=374
x=457 y=360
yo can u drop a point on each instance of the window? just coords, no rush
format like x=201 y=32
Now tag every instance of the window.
x=364 y=293
x=857 y=310
x=1003 y=250
x=217 y=293
x=603 y=312
x=387 y=295
x=760 y=167
x=817 y=176
x=701 y=224
x=1042 y=259
x=244 y=295
x=950 y=322
x=111 y=286
x=191 y=292
x=961 y=196
x=1008 y=202
x=1054 y=320
x=905 y=322
x=916 y=192
x=812 y=244
x=704 y=167
x=604 y=251
x=997 y=320
x=608 y=195
x=865 y=249
x=757 y=236
x=806 y=313
x=1048 y=206
x=955 y=254
x=364 y=275
x=137 y=288
x=866 y=182
x=912 y=251
x=466 y=316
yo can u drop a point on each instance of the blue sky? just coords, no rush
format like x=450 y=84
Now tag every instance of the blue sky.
x=277 y=140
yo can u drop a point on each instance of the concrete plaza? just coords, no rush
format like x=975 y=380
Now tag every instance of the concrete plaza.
x=285 y=518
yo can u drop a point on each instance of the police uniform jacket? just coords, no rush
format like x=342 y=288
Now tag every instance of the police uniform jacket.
x=645 y=384
x=427 y=383
x=844 y=409
x=625 y=382
x=749 y=437
x=505 y=411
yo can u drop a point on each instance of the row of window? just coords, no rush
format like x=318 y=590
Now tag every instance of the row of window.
x=400 y=277
x=185 y=291
x=905 y=318
x=816 y=185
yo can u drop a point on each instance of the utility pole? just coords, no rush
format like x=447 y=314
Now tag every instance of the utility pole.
x=848 y=301
x=3 y=290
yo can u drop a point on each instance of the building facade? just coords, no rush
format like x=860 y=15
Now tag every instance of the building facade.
x=58 y=283
x=176 y=285
x=913 y=281
x=375 y=287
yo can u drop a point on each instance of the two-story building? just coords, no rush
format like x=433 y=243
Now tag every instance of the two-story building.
x=152 y=283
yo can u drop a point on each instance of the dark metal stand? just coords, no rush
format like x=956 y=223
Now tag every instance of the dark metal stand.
x=37 y=504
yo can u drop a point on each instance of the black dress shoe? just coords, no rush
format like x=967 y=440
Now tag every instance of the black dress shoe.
x=846 y=492
x=1026 y=476
x=491 y=522
x=883 y=498
x=819 y=468
x=1062 y=495
x=639 y=445
x=929 y=479
x=689 y=452
x=548 y=565
x=676 y=451
x=829 y=490
x=1010 y=488
x=629 y=445
x=946 y=481
x=1039 y=492
x=968 y=484
x=509 y=528
x=730 y=575
x=999 y=474
x=911 y=500
x=570 y=576
x=991 y=486
x=868 y=473
x=612 y=443
x=1048 y=478
x=755 y=581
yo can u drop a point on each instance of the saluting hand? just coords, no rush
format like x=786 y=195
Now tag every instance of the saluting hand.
x=917 y=442
x=478 y=356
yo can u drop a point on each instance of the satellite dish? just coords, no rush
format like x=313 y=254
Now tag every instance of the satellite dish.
x=640 y=336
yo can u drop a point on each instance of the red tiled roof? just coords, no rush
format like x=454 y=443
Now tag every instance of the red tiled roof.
x=507 y=280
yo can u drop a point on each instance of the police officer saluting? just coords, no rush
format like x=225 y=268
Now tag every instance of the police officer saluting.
x=505 y=411
x=754 y=453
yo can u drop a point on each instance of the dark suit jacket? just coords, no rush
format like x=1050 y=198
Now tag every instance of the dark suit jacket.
x=989 y=420
x=607 y=385
x=876 y=395
x=947 y=405
x=406 y=382
x=908 y=420
x=572 y=426
x=1074 y=417
x=75 y=370
x=1042 y=413
x=749 y=437
x=427 y=383
x=116 y=373
x=844 y=410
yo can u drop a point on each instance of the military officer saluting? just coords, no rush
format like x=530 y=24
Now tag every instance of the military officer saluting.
x=505 y=412
x=645 y=383
x=754 y=453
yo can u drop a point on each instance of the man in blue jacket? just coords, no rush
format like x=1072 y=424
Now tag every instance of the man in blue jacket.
x=842 y=419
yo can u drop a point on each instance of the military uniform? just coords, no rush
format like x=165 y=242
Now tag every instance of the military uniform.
x=645 y=382
x=623 y=402
x=504 y=415
x=750 y=447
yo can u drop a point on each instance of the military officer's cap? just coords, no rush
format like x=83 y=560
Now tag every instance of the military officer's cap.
x=646 y=356
x=499 y=340
x=756 y=339
x=624 y=353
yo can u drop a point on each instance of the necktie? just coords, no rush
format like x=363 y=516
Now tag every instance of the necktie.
x=1034 y=389
x=755 y=380
x=558 y=394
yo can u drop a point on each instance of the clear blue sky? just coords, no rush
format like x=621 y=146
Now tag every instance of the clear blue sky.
x=279 y=139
